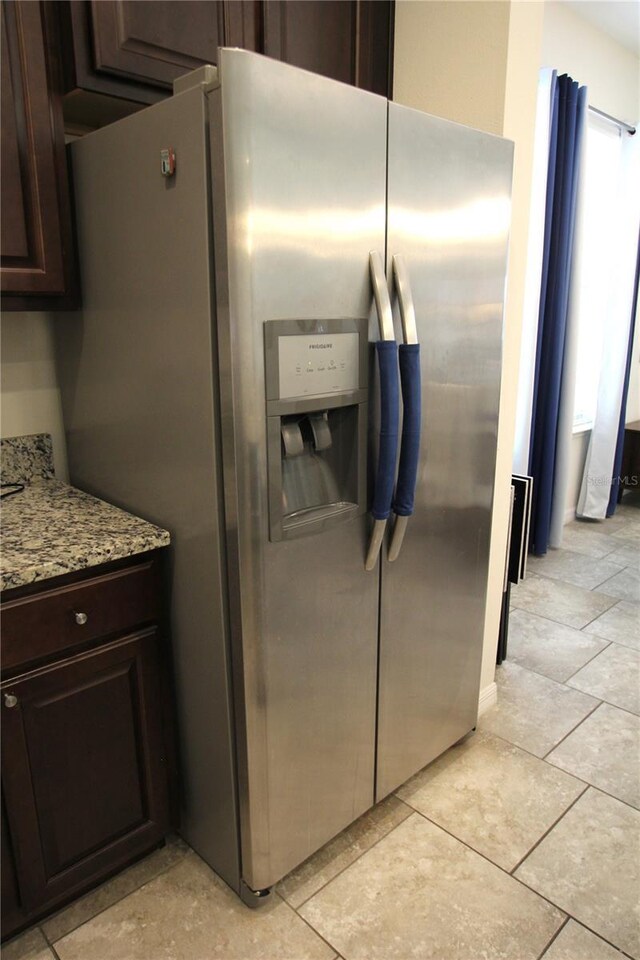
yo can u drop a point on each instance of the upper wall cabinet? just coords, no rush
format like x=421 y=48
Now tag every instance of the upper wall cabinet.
x=347 y=41
x=37 y=250
x=135 y=50
x=78 y=65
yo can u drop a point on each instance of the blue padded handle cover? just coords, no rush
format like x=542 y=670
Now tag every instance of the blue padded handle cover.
x=387 y=351
x=409 y=359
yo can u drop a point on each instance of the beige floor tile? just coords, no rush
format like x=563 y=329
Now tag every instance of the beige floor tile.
x=605 y=751
x=420 y=893
x=624 y=585
x=533 y=712
x=115 y=889
x=607 y=526
x=311 y=875
x=628 y=530
x=614 y=676
x=493 y=796
x=188 y=913
x=559 y=601
x=573 y=568
x=549 y=648
x=575 y=943
x=583 y=538
x=627 y=555
x=27 y=946
x=620 y=624
x=589 y=865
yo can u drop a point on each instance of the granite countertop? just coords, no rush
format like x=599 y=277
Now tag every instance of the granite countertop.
x=49 y=528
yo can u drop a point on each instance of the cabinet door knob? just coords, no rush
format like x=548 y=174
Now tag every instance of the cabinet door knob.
x=81 y=619
x=10 y=700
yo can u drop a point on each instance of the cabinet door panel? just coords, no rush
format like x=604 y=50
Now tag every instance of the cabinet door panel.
x=35 y=214
x=11 y=916
x=157 y=42
x=92 y=718
x=83 y=766
x=317 y=35
x=346 y=41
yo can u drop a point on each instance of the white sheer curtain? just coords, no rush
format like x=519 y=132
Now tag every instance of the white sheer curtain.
x=569 y=368
x=596 y=481
x=533 y=277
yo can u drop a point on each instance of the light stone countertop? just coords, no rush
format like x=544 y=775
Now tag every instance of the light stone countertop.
x=49 y=528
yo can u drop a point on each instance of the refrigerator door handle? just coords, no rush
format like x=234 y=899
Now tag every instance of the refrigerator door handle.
x=409 y=360
x=387 y=351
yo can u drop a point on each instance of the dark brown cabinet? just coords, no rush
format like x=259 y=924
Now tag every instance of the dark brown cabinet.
x=79 y=65
x=347 y=41
x=36 y=236
x=84 y=737
x=135 y=50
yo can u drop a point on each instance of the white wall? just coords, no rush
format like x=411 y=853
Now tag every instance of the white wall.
x=520 y=97
x=575 y=46
x=450 y=59
x=30 y=396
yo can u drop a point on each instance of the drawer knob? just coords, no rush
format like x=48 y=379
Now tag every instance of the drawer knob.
x=10 y=700
x=81 y=619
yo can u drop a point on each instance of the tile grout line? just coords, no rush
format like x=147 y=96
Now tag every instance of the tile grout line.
x=116 y=901
x=559 y=623
x=49 y=944
x=548 y=831
x=360 y=855
x=545 y=758
x=581 y=923
x=615 y=603
x=578 y=724
x=609 y=703
x=554 y=937
x=587 y=662
x=496 y=865
x=554 y=766
x=564 y=683
x=313 y=929
x=562 y=623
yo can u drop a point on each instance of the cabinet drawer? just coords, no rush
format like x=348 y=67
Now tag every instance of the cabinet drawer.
x=41 y=625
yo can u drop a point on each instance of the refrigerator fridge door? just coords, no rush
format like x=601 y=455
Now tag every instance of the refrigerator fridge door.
x=448 y=219
x=299 y=176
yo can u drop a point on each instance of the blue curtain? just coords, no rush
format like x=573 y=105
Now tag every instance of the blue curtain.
x=616 y=490
x=566 y=132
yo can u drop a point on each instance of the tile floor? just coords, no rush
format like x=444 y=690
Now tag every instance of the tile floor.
x=522 y=842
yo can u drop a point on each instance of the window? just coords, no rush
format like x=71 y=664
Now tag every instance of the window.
x=598 y=246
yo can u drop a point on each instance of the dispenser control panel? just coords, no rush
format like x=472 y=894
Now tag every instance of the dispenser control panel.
x=317 y=364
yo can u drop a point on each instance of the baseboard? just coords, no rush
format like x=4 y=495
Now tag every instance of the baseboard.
x=488 y=698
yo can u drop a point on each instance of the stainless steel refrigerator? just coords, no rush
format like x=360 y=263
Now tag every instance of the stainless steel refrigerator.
x=222 y=382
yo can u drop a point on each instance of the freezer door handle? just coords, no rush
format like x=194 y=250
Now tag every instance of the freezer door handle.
x=409 y=360
x=387 y=352
x=381 y=296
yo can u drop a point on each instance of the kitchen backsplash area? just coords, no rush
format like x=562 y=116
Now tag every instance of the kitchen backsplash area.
x=23 y=459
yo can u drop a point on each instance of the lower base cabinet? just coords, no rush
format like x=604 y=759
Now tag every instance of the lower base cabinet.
x=85 y=769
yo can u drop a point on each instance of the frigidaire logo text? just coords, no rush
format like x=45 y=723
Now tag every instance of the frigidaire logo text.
x=320 y=346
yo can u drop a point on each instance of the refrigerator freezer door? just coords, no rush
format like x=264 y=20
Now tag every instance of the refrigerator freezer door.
x=449 y=210
x=298 y=168
x=140 y=411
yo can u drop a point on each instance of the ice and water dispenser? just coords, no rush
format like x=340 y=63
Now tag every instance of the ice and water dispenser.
x=316 y=386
